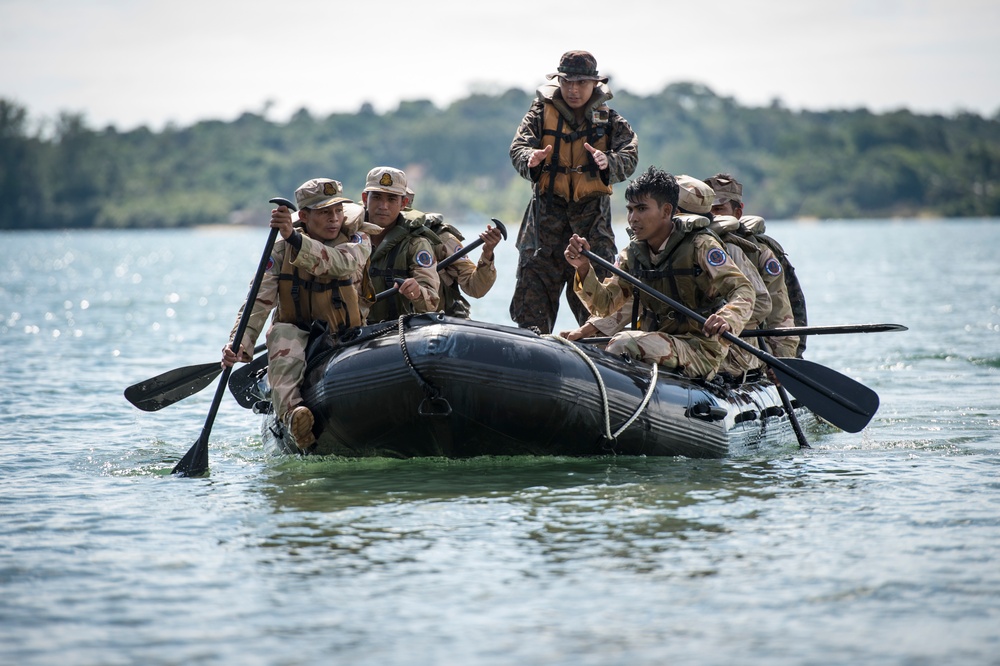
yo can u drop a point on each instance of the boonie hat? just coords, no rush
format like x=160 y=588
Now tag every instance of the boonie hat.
x=577 y=66
x=320 y=193
x=386 y=179
x=694 y=195
x=726 y=189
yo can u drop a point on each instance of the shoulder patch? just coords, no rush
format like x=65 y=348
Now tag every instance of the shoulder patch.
x=270 y=263
x=356 y=238
x=773 y=267
x=716 y=256
x=424 y=259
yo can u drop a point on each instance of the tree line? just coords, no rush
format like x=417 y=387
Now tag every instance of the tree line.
x=793 y=164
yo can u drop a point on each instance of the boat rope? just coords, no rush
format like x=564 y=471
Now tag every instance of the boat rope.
x=432 y=404
x=609 y=436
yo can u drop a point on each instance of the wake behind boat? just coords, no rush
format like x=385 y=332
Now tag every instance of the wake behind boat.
x=433 y=385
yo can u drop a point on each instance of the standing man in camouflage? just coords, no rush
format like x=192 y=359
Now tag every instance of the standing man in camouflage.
x=729 y=202
x=403 y=250
x=311 y=276
x=573 y=148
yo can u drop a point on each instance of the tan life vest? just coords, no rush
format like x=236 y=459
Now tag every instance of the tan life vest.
x=304 y=298
x=569 y=171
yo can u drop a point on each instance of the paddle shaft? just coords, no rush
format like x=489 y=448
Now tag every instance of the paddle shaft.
x=777 y=365
x=793 y=331
x=444 y=263
x=786 y=402
x=195 y=461
x=821 y=330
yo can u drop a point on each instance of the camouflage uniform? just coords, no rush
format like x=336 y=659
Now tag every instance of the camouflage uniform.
x=737 y=360
x=551 y=217
x=753 y=228
x=764 y=269
x=695 y=271
x=406 y=249
x=463 y=274
x=340 y=258
x=728 y=189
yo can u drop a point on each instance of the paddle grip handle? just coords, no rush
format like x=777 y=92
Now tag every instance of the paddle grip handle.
x=444 y=263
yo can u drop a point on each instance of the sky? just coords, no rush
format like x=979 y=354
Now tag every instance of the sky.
x=132 y=63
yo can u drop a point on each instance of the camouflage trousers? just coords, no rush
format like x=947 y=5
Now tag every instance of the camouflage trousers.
x=739 y=361
x=541 y=279
x=286 y=365
x=694 y=356
x=542 y=270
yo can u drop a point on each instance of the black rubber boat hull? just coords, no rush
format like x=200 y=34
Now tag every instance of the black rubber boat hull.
x=433 y=385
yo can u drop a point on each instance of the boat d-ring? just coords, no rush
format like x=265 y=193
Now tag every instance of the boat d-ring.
x=432 y=404
x=436 y=406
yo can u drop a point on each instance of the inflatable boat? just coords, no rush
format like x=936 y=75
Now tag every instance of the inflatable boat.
x=433 y=385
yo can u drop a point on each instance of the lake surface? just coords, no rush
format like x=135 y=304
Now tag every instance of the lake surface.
x=879 y=547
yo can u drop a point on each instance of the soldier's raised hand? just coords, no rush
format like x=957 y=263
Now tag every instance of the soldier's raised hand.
x=539 y=156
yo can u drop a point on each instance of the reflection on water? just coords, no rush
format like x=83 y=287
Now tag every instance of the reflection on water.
x=632 y=514
x=877 y=547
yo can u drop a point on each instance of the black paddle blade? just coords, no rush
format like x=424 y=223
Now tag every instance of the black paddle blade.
x=845 y=403
x=164 y=390
x=243 y=382
x=195 y=461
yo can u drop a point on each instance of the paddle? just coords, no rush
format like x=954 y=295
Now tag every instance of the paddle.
x=243 y=382
x=823 y=390
x=822 y=330
x=794 y=330
x=165 y=389
x=195 y=461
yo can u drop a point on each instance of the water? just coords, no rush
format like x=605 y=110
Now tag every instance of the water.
x=869 y=548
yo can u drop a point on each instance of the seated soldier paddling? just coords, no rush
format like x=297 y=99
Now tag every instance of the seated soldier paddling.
x=679 y=257
x=311 y=276
x=696 y=197
x=695 y=200
x=788 y=306
x=462 y=276
x=403 y=250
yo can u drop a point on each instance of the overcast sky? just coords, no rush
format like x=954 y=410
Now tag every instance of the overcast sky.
x=153 y=62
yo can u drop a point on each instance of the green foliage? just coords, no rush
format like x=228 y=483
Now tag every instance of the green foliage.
x=834 y=164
